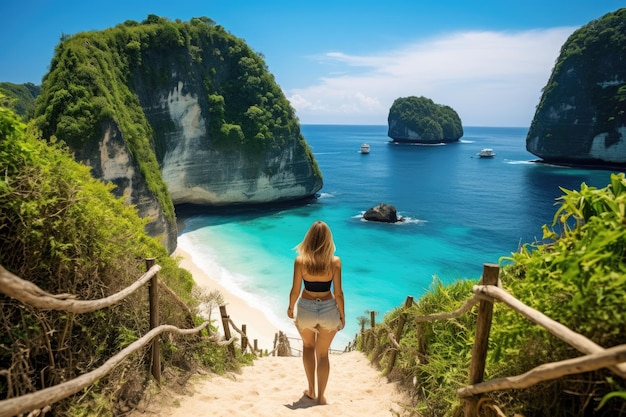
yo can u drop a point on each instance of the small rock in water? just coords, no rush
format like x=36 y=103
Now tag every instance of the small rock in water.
x=382 y=213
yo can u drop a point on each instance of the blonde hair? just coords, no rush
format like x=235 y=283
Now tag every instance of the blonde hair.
x=317 y=249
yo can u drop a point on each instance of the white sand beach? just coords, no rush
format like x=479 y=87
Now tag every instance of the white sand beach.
x=258 y=325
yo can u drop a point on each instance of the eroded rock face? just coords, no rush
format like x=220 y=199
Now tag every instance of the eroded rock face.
x=114 y=163
x=581 y=118
x=198 y=172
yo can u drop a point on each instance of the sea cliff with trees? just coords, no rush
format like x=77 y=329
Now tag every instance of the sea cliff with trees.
x=175 y=113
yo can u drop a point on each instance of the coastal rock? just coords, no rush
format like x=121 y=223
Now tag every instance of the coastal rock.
x=581 y=118
x=420 y=120
x=176 y=113
x=385 y=213
x=114 y=163
x=198 y=172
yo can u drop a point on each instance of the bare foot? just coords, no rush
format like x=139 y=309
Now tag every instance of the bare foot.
x=322 y=401
x=306 y=393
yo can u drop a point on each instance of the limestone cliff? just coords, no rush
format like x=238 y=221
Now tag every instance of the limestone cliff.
x=581 y=118
x=176 y=112
x=420 y=120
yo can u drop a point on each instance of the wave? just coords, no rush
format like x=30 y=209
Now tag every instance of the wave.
x=239 y=285
x=415 y=144
x=519 y=162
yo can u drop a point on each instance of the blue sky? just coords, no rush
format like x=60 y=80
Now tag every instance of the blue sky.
x=344 y=62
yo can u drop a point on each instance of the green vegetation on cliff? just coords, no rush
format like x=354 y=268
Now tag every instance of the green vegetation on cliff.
x=576 y=276
x=20 y=98
x=65 y=232
x=432 y=122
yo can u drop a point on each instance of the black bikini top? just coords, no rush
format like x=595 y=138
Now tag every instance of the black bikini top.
x=317 y=286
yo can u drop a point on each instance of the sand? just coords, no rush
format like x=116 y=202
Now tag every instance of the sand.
x=273 y=387
x=258 y=325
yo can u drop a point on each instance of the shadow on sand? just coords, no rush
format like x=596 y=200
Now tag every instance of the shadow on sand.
x=303 y=402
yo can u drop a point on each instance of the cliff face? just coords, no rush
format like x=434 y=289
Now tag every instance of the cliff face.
x=176 y=113
x=420 y=120
x=581 y=118
x=113 y=162
x=197 y=171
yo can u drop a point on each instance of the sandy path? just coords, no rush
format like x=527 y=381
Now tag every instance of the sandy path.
x=273 y=387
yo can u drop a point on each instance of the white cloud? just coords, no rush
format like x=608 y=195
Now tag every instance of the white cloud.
x=489 y=78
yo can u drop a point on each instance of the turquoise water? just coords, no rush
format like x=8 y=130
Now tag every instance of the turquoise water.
x=461 y=211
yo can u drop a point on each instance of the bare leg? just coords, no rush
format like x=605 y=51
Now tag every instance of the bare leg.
x=322 y=344
x=308 y=359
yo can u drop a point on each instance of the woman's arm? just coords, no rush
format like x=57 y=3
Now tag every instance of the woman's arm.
x=339 y=290
x=295 y=287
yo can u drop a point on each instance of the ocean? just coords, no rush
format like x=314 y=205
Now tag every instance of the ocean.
x=460 y=212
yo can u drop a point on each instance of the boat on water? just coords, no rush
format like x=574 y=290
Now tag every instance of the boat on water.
x=365 y=148
x=486 y=153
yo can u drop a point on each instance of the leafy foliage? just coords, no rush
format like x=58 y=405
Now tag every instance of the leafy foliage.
x=20 y=98
x=577 y=277
x=432 y=122
x=65 y=232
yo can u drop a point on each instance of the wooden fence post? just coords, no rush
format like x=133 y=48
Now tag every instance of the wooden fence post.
x=275 y=343
x=372 y=334
x=256 y=346
x=244 y=338
x=226 y=326
x=154 y=320
x=491 y=273
x=421 y=343
x=401 y=320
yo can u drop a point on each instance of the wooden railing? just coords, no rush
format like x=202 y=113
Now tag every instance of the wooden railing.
x=28 y=293
x=485 y=295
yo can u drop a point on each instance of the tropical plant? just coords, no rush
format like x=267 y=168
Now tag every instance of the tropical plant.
x=65 y=232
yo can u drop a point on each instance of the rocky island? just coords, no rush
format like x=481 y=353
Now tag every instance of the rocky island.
x=420 y=120
x=581 y=117
x=176 y=113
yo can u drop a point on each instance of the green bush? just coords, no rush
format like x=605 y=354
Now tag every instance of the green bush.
x=65 y=232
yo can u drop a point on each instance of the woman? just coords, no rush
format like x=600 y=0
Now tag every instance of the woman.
x=320 y=312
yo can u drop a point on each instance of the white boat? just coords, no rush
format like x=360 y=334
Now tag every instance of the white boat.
x=365 y=148
x=486 y=153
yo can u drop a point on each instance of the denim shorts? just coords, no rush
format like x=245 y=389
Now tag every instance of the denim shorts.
x=314 y=315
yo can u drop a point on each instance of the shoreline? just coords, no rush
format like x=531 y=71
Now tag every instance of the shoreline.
x=258 y=325
x=263 y=321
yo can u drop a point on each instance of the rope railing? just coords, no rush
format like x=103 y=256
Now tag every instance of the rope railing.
x=30 y=294
x=245 y=343
x=549 y=371
x=485 y=295
x=41 y=398
x=576 y=340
